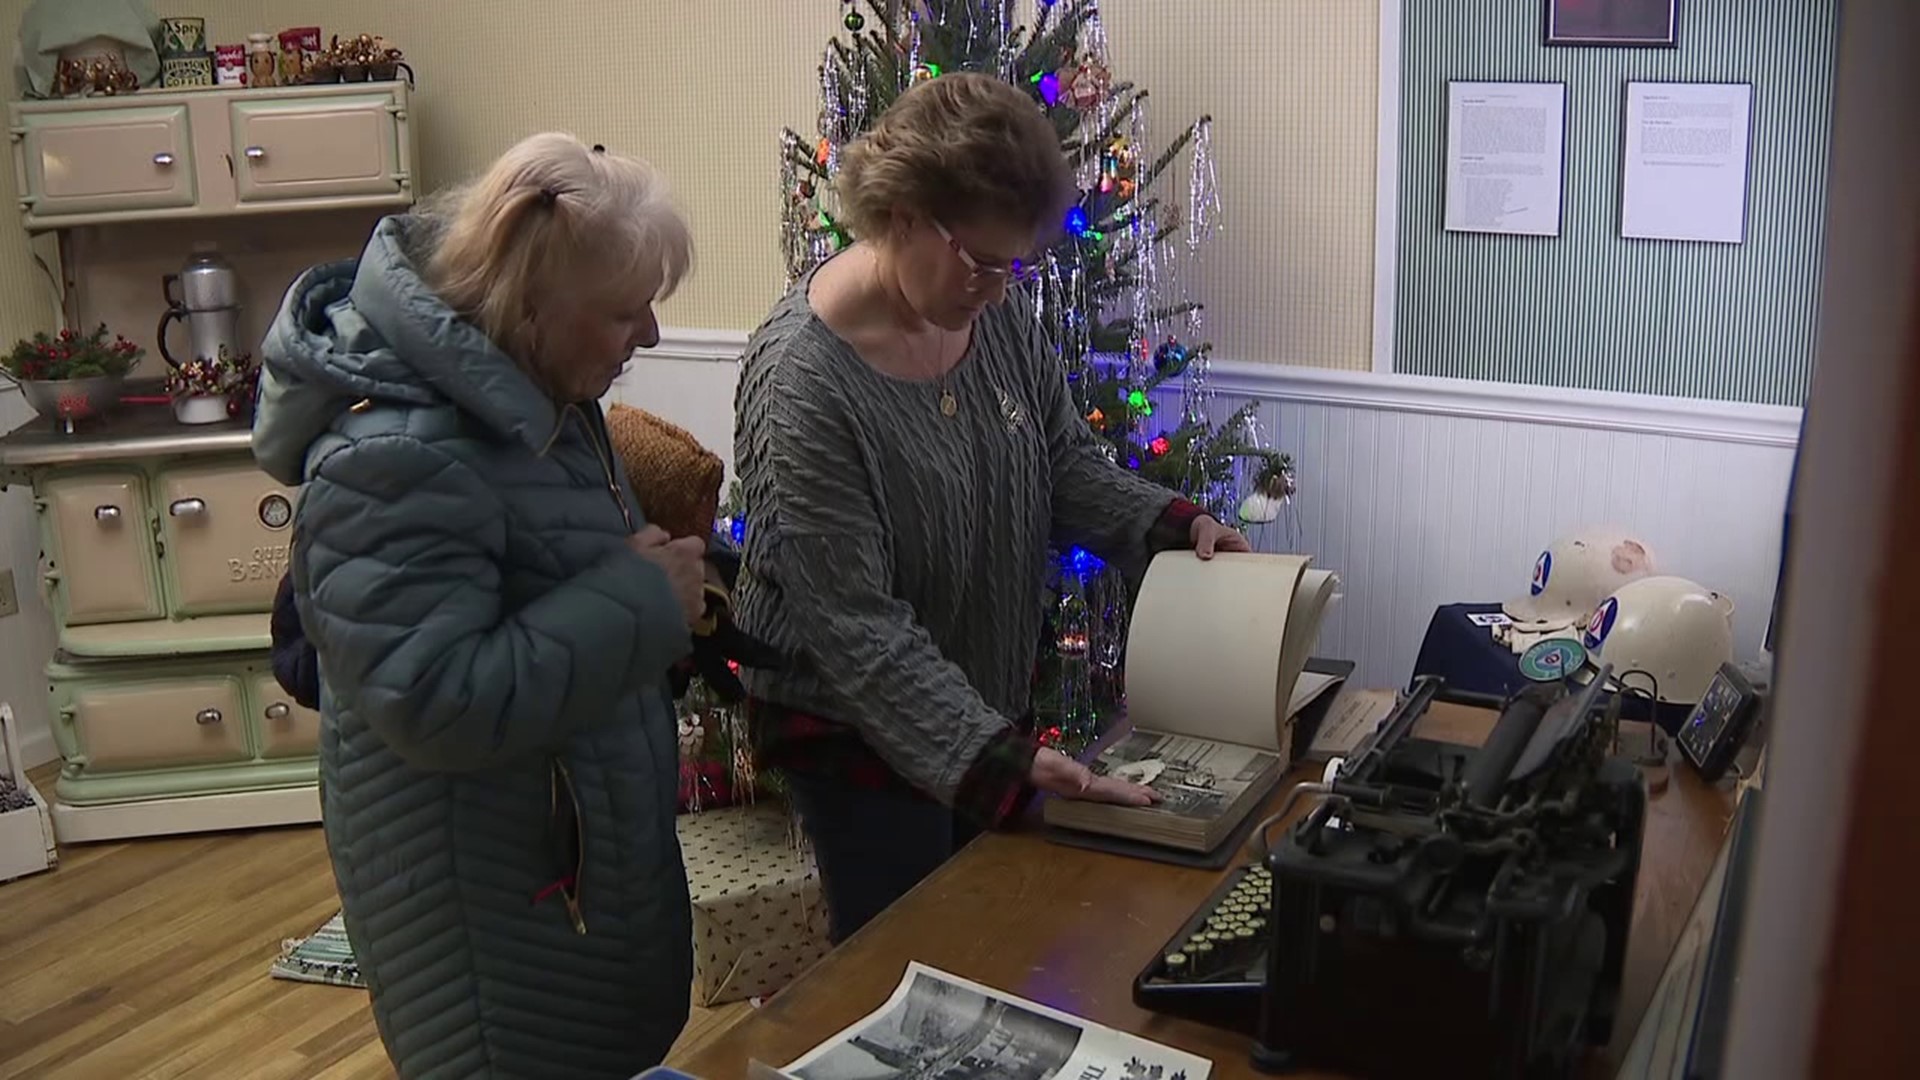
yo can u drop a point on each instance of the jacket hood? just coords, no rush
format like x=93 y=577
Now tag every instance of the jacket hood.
x=370 y=328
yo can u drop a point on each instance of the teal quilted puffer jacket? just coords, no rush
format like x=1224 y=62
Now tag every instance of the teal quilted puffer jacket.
x=497 y=760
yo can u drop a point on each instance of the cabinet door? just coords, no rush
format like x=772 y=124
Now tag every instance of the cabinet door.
x=344 y=147
x=90 y=161
x=224 y=535
x=141 y=725
x=99 y=548
x=286 y=728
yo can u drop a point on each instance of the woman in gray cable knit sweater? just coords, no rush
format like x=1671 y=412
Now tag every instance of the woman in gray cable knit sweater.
x=908 y=450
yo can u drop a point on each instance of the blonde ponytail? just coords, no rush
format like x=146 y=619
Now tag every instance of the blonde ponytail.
x=552 y=215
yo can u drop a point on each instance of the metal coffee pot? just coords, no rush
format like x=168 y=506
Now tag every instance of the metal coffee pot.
x=206 y=296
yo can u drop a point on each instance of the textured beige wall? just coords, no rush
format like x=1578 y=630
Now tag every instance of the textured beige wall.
x=702 y=88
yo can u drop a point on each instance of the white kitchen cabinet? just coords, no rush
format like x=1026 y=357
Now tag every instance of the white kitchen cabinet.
x=159 y=155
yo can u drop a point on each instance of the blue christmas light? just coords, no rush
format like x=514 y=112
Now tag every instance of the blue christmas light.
x=1077 y=222
x=1050 y=89
x=1083 y=563
x=735 y=528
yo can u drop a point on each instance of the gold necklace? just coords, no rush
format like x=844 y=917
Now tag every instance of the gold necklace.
x=949 y=404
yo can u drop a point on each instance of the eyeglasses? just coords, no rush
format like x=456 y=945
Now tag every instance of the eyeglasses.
x=983 y=273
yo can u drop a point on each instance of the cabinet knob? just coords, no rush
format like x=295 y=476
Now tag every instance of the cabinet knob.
x=255 y=153
x=208 y=716
x=278 y=711
x=187 y=507
x=163 y=159
x=107 y=513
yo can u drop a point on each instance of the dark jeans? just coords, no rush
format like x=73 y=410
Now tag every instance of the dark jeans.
x=871 y=846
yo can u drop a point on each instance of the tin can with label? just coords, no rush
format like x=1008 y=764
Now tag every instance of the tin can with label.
x=230 y=65
x=299 y=48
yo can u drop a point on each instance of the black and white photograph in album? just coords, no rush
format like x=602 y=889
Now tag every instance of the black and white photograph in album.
x=941 y=1031
x=1645 y=23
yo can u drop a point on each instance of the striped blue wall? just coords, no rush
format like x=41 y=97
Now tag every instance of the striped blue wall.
x=1589 y=309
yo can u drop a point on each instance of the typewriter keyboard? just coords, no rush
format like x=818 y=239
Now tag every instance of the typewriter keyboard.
x=1226 y=939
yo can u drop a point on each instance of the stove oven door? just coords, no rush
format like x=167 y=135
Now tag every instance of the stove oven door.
x=224 y=535
x=99 y=564
x=139 y=724
x=286 y=729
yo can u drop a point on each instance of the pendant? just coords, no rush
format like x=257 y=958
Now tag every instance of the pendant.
x=948 y=405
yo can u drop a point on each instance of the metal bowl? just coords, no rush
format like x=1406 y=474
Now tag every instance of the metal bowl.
x=65 y=401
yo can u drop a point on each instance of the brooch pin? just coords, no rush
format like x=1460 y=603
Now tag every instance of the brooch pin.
x=1009 y=410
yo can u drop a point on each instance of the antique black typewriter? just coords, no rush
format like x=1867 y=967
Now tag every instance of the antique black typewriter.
x=1443 y=910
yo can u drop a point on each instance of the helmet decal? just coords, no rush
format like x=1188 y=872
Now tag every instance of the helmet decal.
x=1542 y=570
x=1600 y=623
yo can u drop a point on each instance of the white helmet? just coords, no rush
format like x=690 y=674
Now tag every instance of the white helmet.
x=1669 y=627
x=1577 y=572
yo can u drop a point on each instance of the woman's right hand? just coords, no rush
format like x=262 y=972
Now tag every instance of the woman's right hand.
x=1055 y=772
x=685 y=563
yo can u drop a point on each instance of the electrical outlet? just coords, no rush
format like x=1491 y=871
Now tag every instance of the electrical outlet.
x=9 y=600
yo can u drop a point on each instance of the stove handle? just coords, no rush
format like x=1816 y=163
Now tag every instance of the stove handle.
x=278 y=711
x=207 y=717
x=187 y=507
x=106 y=514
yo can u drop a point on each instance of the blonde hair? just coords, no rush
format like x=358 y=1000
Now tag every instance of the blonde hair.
x=548 y=216
x=963 y=147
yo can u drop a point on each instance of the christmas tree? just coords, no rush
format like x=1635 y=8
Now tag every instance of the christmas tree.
x=1109 y=295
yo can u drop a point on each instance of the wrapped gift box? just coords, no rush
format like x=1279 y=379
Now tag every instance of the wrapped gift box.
x=758 y=917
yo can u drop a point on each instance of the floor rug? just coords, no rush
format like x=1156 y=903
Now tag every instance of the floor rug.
x=324 y=956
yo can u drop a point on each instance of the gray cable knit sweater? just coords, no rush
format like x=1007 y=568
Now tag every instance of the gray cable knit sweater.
x=900 y=556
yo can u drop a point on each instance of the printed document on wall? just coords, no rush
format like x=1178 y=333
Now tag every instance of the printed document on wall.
x=1504 y=157
x=1685 y=174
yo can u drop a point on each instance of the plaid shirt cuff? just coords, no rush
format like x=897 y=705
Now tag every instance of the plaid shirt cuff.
x=995 y=786
x=1173 y=531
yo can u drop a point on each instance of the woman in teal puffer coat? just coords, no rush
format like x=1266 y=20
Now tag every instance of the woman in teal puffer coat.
x=493 y=621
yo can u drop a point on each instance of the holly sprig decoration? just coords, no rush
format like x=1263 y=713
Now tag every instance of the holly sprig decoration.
x=68 y=355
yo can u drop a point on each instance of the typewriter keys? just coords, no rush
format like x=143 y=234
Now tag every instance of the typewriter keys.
x=1226 y=939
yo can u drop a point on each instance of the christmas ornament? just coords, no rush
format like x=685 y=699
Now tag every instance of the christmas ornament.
x=1160 y=446
x=1170 y=358
x=855 y=21
x=1088 y=85
x=1259 y=508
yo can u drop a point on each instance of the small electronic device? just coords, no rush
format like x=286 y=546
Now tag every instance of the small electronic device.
x=1719 y=724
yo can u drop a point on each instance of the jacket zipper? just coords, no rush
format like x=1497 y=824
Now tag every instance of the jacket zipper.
x=603 y=453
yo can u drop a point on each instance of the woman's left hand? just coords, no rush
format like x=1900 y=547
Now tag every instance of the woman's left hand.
x=1209 y=536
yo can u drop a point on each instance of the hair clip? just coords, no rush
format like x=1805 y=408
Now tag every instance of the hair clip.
x=599 y=148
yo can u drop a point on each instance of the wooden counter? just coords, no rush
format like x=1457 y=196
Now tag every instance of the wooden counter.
x=1071 y=928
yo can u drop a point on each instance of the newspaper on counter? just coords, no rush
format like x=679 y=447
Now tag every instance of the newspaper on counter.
x=938 y=1026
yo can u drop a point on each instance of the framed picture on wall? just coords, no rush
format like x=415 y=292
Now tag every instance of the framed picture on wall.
x=1650 y=24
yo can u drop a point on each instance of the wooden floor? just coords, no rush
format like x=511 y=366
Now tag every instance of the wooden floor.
x=149 y=958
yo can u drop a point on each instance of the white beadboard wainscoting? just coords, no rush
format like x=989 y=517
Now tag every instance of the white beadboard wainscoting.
x=1417 y=491
x=1426 y=491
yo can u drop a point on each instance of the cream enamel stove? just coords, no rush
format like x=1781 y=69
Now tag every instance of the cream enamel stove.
x=162 y=548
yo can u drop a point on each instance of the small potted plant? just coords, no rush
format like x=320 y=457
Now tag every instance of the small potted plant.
x=70 y=376
x=208 y=391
